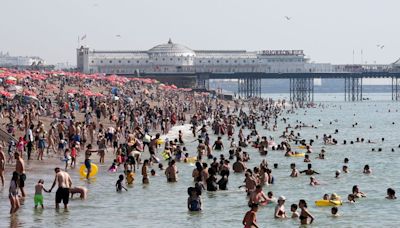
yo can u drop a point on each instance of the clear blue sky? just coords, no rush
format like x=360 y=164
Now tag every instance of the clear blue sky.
x=327 y=30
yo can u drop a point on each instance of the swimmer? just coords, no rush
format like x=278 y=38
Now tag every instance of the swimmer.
x=307 y=158
x=130 y=177
x=38 y=198
x=345 y=169
x=357 y=193
x=295 y=172
x=280 y=208
x=194 y=202
x=13 y=193
x=391 y=194
x=305 y=214
x=82 y=191
x=313 y=181
x=351 y=198
x=250 y=219
x=334 y=197
x=145 y=179
x=223 y=182
x=367 y=170
x=334 y=212
x=309 y=171
x=119 y=186
x=258 y=197
x=171 y=172
x=337 y=173
x=293 y=209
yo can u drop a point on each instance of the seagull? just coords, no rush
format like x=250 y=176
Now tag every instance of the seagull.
x=118 y=36
x=95 y=5
x=288 y=18
x=381 y=46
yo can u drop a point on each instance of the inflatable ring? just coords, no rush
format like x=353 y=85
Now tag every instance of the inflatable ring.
x=302 y=147
x=82 y=171
x=191 y=160
x=165 y=155
x=297 y=155
x=328 y=203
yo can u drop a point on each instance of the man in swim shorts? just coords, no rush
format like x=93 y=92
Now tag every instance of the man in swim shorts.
x=20 y=169
x=88 y=162
x=64 y=184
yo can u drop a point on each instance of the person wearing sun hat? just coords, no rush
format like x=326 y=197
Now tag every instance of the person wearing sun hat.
x=280 y=208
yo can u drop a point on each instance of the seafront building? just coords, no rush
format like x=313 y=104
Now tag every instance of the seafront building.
x=176 y=58
x=6 y=60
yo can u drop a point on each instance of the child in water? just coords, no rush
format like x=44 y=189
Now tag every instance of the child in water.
x=119 y=184
x=350 y=198
x=38 y=198
x=113 y=168
x=293 y=209
x=194 y=200
x=130 y=177
x=334 y=211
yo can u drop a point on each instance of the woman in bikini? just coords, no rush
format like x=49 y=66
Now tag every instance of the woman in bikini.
x=305 y=214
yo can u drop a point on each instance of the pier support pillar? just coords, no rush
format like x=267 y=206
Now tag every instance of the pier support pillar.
x=395 y=89
x=353 y=89
x=203 y=81
x=249 y=87
x=301 y=89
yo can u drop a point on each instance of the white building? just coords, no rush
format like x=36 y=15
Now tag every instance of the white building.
x=174 y=58
x=10 y=61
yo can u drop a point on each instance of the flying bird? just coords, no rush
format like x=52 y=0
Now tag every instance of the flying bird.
x=118 y=36
x=288 y=18
x=381 y=46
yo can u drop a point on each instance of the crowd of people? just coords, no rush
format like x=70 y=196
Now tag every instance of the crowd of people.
x=74 y=116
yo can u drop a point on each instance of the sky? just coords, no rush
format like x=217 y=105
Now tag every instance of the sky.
x=327 y=30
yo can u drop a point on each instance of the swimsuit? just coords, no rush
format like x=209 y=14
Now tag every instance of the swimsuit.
x=195 y=205
x=88 y=164
x=38 y=199
x=22 y=178
x=62 y=194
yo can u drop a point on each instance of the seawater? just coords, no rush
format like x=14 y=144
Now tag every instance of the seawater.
x=161 y=204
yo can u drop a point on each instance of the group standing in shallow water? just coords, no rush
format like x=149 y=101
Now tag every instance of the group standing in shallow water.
x=127 y=128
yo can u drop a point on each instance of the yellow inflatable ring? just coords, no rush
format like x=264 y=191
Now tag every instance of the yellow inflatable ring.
x=191 y=159
x=82 y=170
x=328 y=203
x=297 y=155
x=302 y=147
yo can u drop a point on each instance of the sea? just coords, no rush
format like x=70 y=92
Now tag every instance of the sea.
x=162 y=204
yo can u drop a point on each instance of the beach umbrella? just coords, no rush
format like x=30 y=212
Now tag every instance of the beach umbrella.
x=5 y=93
x=10 y=82
x=29 y=93
x=88 y=93
x=72 y=91
x=11 y=78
